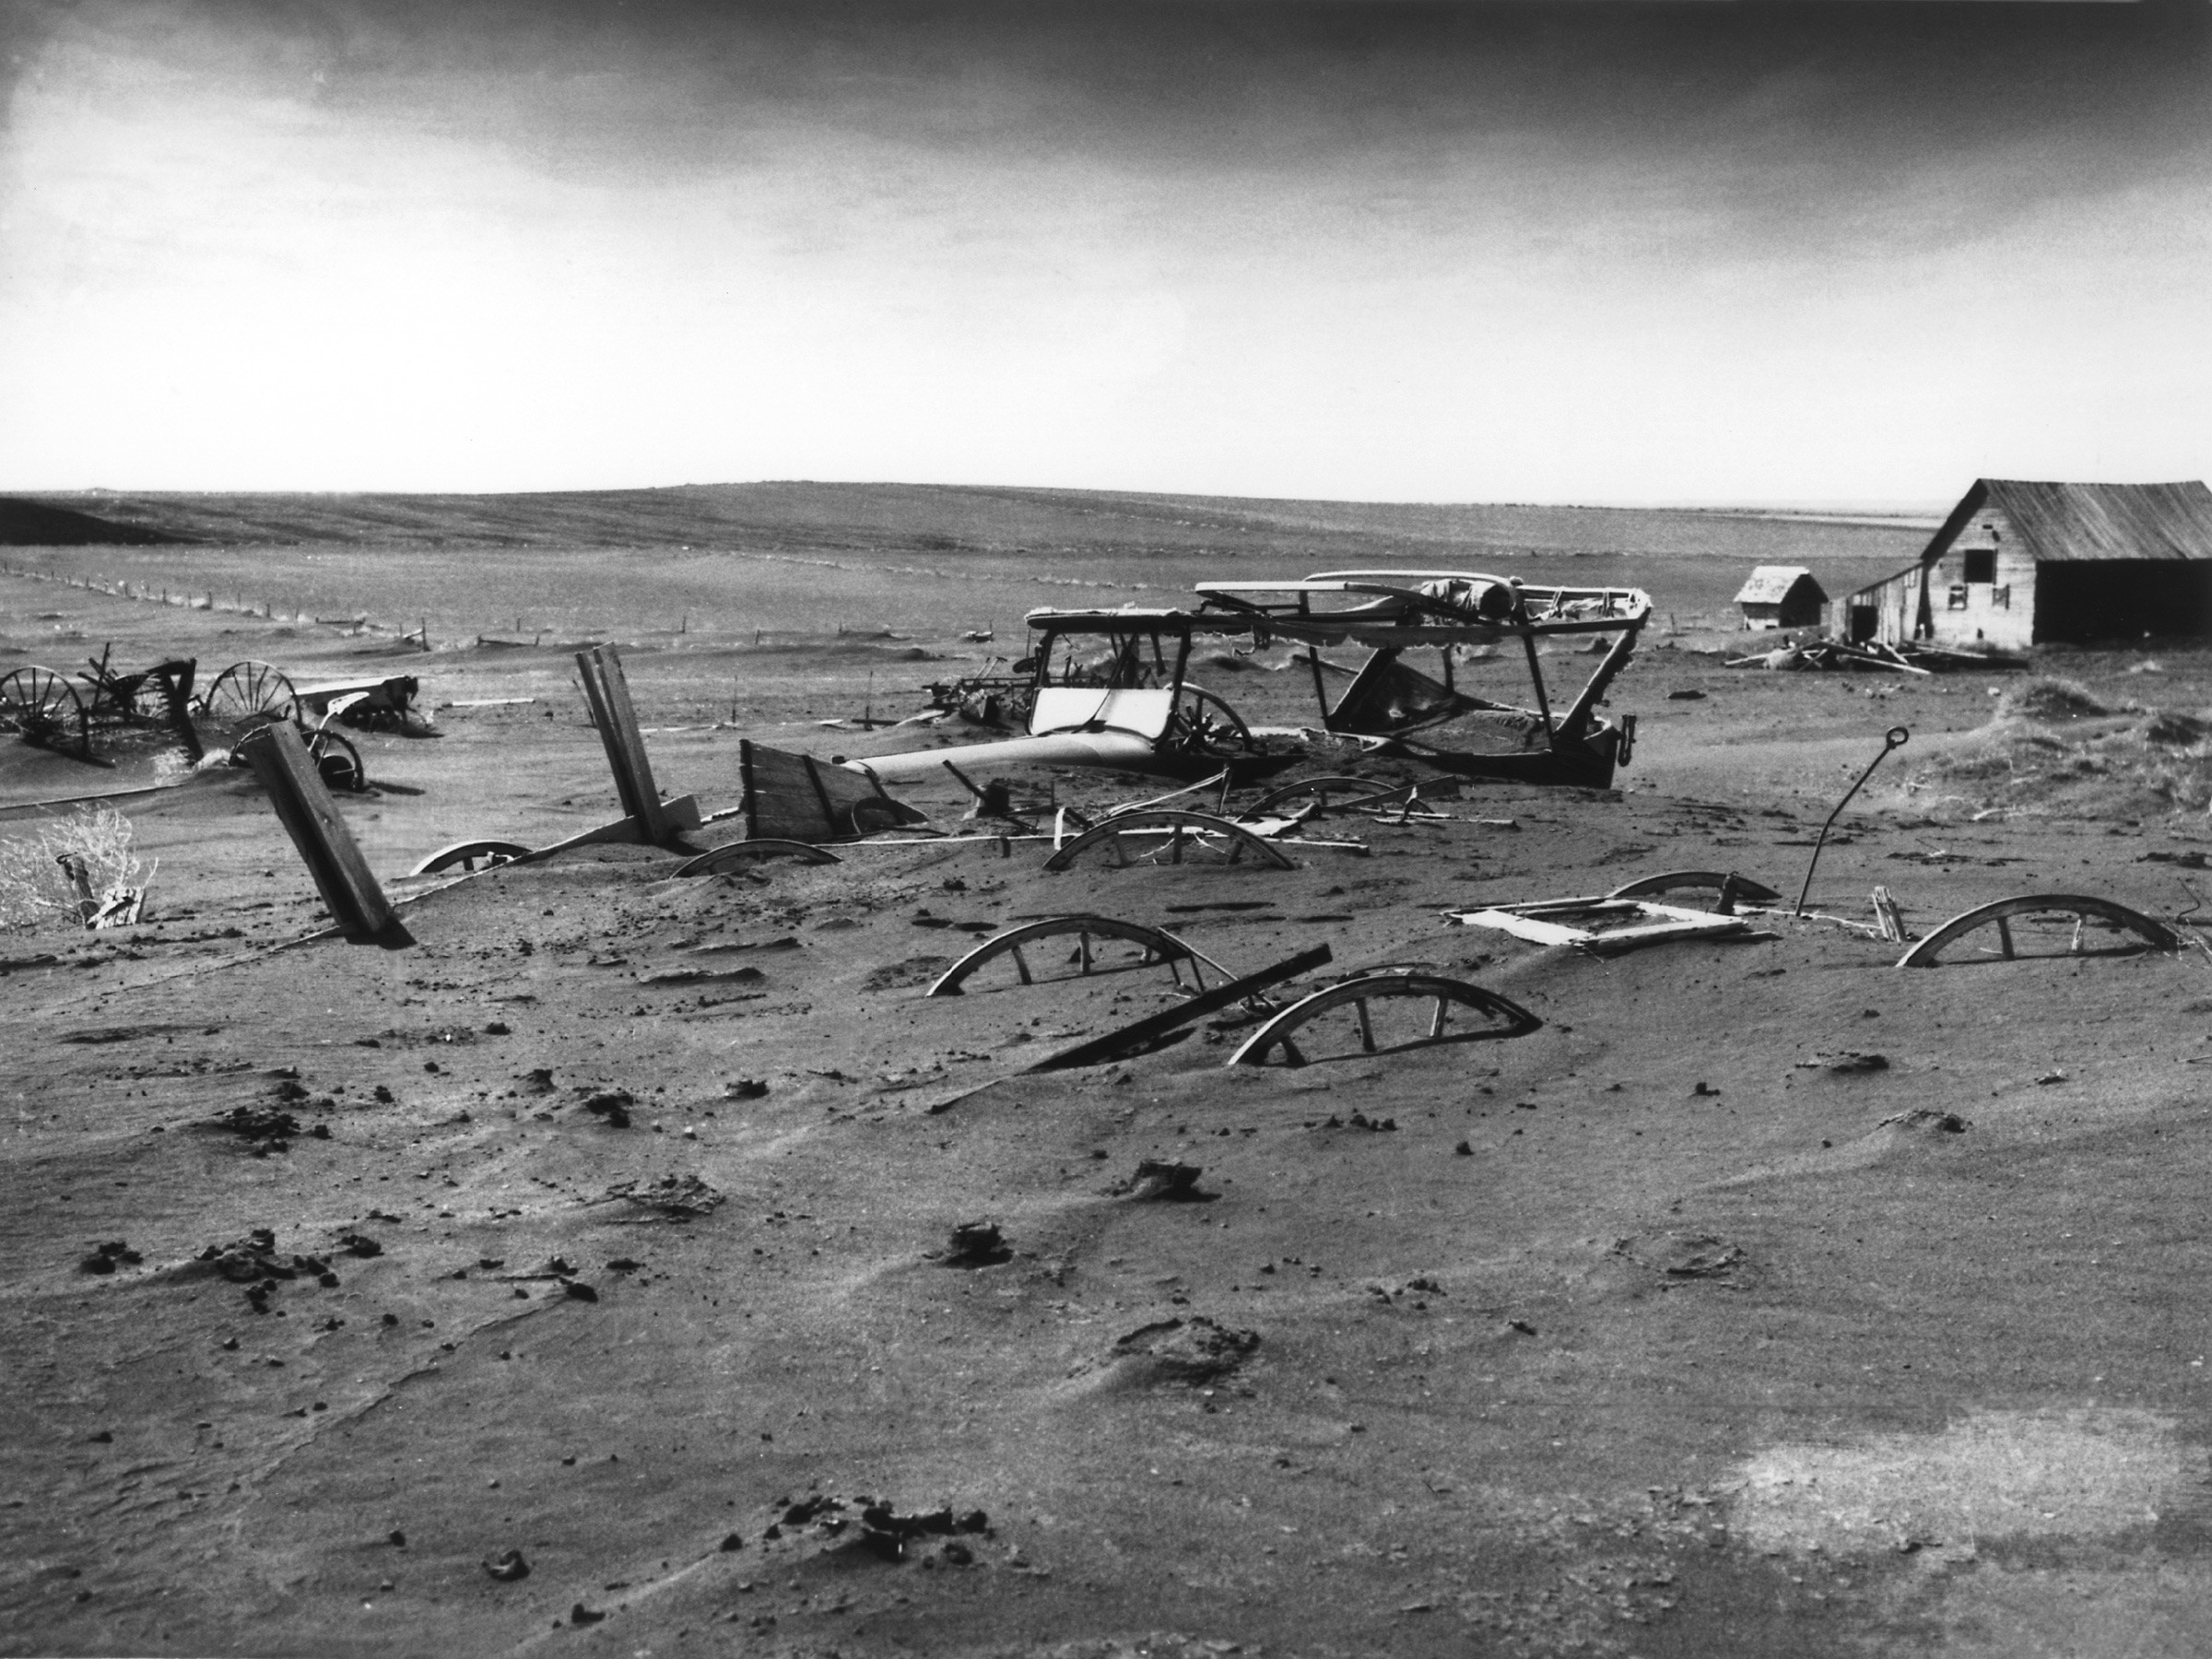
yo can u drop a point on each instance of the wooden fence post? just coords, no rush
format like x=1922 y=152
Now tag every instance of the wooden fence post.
x=287 y=771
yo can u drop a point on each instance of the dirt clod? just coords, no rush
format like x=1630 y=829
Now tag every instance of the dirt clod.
x=1197 y=1349
x=975 y=1244
x=1161 y=1181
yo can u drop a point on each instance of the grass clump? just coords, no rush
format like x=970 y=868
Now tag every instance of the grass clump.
x=36 y=889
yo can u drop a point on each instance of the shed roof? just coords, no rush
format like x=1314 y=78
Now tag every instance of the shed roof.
x=1770 y=584
x=2093 y=521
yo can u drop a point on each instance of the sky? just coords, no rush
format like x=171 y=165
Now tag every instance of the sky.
x=1810 y=251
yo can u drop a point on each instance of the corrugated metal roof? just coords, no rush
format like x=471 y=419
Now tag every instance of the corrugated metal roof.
x=1770 y=584
x=2093 y=521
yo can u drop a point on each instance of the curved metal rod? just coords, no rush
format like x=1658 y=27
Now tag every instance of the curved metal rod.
x=1447 y=994
x=718 y=859
x=2153 y=932
x=1668 y=881
x=465 y=854
x=1162 y=949
x=1895 y=738
x=1181 y=828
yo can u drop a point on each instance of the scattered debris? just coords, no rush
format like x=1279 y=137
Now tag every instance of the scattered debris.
x=508 y=1567
x=867 y=1527
x=613 y=1105
x=105 y=1257
x=265 y=1127
x=253 y=1261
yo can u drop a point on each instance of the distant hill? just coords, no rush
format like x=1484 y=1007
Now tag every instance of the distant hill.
x=950 y=519
x=35 y=524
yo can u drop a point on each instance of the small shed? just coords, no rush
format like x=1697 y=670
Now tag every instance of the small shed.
x=2017 y=563
x=1781 y=596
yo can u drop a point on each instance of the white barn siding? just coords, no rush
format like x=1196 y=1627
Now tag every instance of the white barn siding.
x=1982 y=588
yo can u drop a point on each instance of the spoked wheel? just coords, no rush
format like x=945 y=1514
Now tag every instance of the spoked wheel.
x=45 y=708
x=337 y=760
x=1205 y=720
x=250 y=693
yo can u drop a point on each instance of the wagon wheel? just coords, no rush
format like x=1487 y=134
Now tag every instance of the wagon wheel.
x=2076 y=910
x=1499 y=1017
x=250 y=692
x=1203 y=718
x=337 y=760
x=468 y=854
x=45 y=708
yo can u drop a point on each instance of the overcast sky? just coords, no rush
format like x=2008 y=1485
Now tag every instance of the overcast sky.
x=1541 y=251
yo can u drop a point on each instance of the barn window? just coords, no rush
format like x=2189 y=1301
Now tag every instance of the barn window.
x=2002 y=596
x=1958 y=597
x=1981 y=564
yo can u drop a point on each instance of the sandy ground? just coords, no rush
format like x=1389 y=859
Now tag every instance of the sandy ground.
x=1668 y=1329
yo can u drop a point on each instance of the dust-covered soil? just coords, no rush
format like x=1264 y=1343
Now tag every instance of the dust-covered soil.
x=640 y=1265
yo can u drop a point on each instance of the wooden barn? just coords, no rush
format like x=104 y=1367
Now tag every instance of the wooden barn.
x=1781 y=596
x=2020 y=563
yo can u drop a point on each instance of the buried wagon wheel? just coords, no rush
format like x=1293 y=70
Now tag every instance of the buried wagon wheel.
x=470 y=855
x=1501 y=1017
x=1154 y=948
x=2072 y=913
x=1173 y=836
x=45 y=708
x=250 y=692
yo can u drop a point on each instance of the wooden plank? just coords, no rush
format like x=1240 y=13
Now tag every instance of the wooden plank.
x=1101 y=1049
x=280 y=757
x=617 y=722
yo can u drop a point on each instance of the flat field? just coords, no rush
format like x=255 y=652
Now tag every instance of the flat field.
x=1769 y=1297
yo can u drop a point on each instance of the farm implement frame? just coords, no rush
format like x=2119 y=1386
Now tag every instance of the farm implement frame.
x=1112 y=688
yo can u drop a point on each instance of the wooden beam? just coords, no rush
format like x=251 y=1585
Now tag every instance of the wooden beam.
x=287 y=771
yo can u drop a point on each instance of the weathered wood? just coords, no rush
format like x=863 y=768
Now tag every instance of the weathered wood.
x=1892 y=919
x=608 y=693
x=280 y=757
